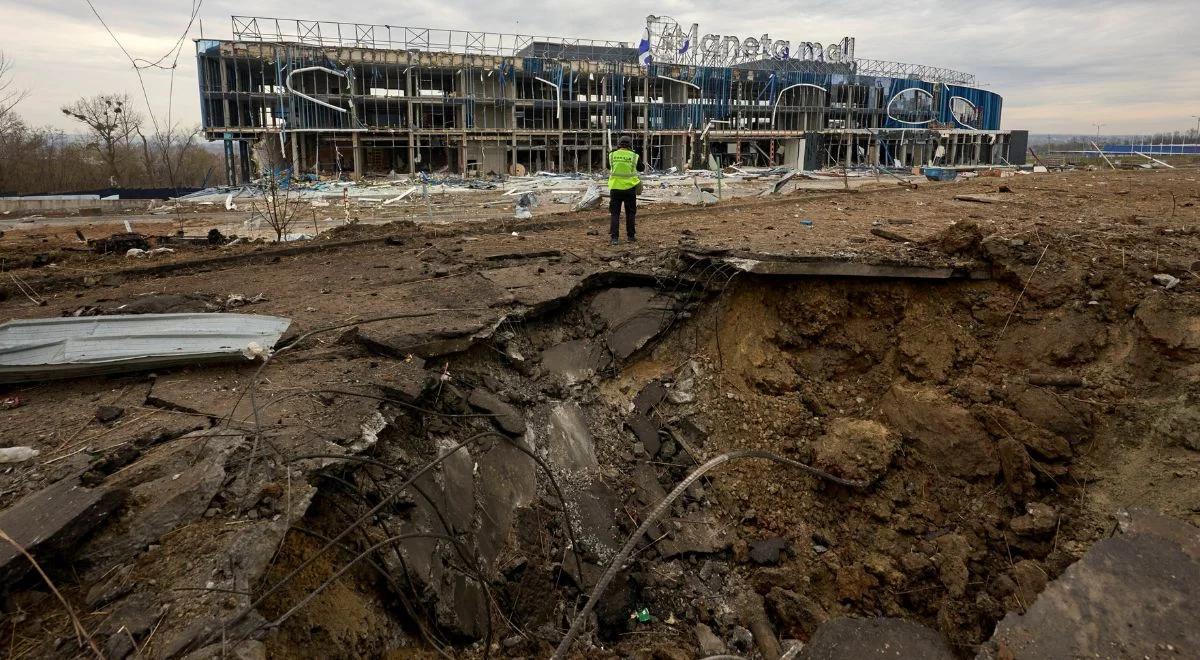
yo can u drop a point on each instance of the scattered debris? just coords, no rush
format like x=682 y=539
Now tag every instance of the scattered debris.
x=17 y=454
x=978 y=199
x=1166 y=281
x=890 y=235
x=109 y=414
x=52 y=520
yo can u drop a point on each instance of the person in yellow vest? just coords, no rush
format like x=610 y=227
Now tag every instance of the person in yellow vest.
x=623 y=188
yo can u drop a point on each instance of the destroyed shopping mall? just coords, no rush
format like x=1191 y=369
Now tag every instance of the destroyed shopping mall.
x=374 y=99
x=834 y=402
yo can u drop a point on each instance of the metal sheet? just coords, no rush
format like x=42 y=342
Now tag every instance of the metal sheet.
x=37 y=349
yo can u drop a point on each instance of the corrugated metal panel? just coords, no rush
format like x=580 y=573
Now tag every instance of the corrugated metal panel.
x=36 y=349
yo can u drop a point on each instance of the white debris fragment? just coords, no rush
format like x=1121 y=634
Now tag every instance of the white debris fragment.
x=17 y=454
x=255 y=350
x=1165 y=281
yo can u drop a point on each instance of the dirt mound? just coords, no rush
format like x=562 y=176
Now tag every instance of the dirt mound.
x=962 y=238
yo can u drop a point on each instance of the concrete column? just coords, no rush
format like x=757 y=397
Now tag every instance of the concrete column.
x=408 y=110
x=229 y=170
x=292 y=137
x=360 y=156
x=244 y=157
x=646 y=115
x=226 y=120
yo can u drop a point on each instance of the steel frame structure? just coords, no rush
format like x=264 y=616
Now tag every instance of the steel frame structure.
x=397 y=37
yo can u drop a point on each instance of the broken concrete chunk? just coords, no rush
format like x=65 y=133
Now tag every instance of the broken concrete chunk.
x=646 y=431
x=570 y=446
x=1039 y=520
x=171 y=486
x=708 y=642
x=507 y=418
x=450 y=333
x=576 y=360
x=701 y=534
x=1166 y=281
x=1131 y=596
x=631 y=317
x=767 y=551
x=875 y=638
x=107 y=414
x=651 y=395
x=53 y=520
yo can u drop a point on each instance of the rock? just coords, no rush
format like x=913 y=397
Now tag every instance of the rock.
x=1039 y=520
x=108 y=414
x=840 y=639
x=795 y=613
x=1045 y=409
x=631 y=316
x=506 y=417
x=646 y=431
x=1178 y=425
x=171 y=486
x=53 y=520
x=680 y=397
x=1173 y=327
x=17 y=454
x=577 y=360
x=741 y=639
x=767 y=551
x=944 y=433
x=117 y=585
x=1029 y=579
x=1003 y=423
x=856 y=449
x=651 y=395
x=708 y=642
x=1165 y=281
x=953 y=552
x=1016 y=466
x=1132 y=595
x=570 y=446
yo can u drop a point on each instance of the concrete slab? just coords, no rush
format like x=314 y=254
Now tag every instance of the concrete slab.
x=1130 y=596
x=53 y=520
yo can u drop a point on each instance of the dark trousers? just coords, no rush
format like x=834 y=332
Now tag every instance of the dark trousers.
x=615 y=199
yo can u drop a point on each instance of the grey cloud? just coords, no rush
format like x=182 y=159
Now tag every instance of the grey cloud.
x=1133 y=62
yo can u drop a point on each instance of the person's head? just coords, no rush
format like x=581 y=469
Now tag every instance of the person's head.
x=625 y=142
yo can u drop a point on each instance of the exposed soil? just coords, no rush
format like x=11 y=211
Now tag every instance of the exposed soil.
x=998 y=424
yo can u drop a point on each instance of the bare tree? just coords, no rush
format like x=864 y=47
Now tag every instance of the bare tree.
x=111 y=124
x=174 y=146
x=278 y=207
x=10 y=95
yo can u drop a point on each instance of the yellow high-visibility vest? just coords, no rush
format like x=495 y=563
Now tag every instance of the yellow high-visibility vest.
x=622 y=170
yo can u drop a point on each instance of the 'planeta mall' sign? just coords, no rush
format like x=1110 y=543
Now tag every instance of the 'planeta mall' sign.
x=665 y=41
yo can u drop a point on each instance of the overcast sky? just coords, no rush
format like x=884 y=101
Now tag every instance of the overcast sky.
x=1061 y=65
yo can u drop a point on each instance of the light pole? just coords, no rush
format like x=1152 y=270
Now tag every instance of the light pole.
x=1098 y=127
